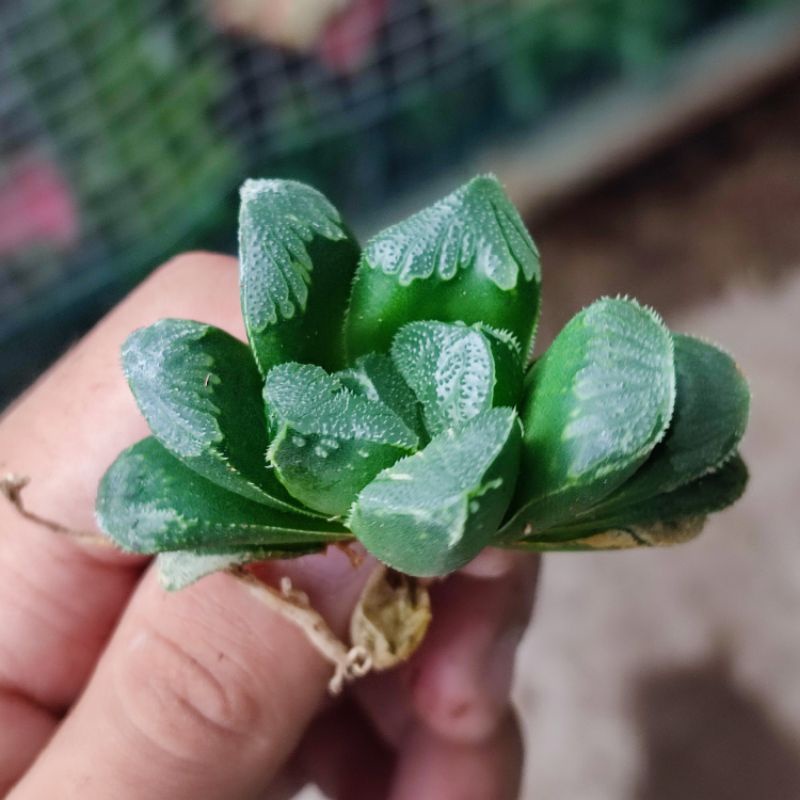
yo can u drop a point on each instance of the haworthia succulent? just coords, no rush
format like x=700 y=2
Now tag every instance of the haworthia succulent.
x=430 y=513
x=148 y=502
x=199 y=390
x=297 y=259
x=598 y=402
x=467 y=258
x=453 y=371
x=386 y=390
x=330 y=442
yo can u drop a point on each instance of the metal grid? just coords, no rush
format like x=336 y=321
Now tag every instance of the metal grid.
x=125 y=127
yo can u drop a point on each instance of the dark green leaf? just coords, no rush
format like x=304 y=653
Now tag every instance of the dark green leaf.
x=178 y=569
x=330 y=442
x=712 y=402
x=657 y=534
x=468 y=258
x=451 y=368
x=430 y=513
x=661 y=519
x=297 y=261
x=598 y=402
x=376 y=377
x=200 y=392
x=148 y=501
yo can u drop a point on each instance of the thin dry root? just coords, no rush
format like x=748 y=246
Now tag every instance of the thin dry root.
x=294 y=606
x=11 y=487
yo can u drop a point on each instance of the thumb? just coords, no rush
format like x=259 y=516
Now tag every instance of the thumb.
x=201 y=693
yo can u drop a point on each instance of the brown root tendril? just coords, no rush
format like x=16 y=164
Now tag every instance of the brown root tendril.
x=294 y=606
x=11 y=487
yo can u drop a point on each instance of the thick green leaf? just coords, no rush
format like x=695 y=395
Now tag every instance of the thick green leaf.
x=712 y=402
x=200 y=392
x=430 y=513
x=148 y=501
x=468 y=258
x=598 y=402
x=330 y=441
x=178 y=569
x=376 y=377
x=663 y=519
x=297 y=261
x=451 y=368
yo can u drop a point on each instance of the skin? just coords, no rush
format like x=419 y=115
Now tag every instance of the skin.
x=110 y=687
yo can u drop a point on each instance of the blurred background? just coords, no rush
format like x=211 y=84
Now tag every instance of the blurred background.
x=653 y=147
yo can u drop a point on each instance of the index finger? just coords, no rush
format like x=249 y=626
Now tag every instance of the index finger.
x=59 y=600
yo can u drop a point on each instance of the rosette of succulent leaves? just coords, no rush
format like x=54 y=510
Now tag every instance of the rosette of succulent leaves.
x=387 y=395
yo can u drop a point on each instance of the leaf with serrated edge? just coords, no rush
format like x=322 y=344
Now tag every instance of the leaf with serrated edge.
x=200 y=392
x=451 y=368
x=376 y=377
x=430 y=513
x=330 y=442
x=297 y=261
x=712 y=402
x=178 y=569
x=694 y=500
x=508 y=365
x=148 y=501
x=467 y=258
x=598 y=402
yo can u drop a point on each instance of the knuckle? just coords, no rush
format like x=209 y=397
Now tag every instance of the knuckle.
x=457 y=714
x=187 y=699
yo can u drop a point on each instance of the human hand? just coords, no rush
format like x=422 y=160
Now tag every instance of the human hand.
x=110 y=687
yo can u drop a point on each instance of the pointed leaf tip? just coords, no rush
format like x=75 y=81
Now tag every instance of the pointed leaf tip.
x=466 y=258
x=296 y=261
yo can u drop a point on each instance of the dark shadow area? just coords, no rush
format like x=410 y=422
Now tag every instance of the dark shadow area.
x=705 y=738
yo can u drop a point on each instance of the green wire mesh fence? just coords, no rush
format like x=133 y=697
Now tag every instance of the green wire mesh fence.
x=126 y=127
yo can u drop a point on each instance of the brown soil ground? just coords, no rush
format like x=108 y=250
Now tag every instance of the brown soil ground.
x=659 y=675
x=722 y=206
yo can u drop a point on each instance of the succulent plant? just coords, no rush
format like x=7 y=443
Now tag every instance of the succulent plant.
x=386 y=396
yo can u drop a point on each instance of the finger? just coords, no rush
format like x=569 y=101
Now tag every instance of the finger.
x=207 y=687
x=24 y=731
x=344 y=757
x=433 y=767
x=460 y=681
x=59 y=600
x=386 y=700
